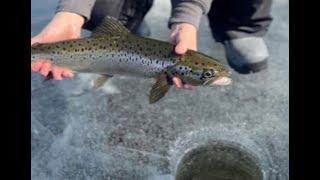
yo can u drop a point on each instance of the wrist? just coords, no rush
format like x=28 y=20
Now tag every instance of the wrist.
x=68 y=18
x=184 y=26
x=63 y=26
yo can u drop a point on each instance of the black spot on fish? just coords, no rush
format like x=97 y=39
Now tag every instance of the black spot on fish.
x=196 y=63
x=182 y=73
x=180 y=67
x=64 y=48
x=203 y=64
x=82 y=49
x=140 y=49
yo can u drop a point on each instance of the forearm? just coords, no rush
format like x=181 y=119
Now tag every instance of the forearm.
x=80 y=7
x=188 y=11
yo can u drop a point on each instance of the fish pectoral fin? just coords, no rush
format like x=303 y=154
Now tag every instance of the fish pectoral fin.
x=100 y=81
x=111 y=26
x=159 y=89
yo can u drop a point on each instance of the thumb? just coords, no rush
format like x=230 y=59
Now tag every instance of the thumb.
x=35 y=39
x=181 y=48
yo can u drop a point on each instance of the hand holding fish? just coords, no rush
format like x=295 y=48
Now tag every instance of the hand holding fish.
x=63 y=26
x=184 y=35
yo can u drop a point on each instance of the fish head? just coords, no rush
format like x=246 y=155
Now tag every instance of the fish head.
x=198 y=69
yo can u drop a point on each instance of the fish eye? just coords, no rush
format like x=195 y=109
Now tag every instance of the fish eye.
x=208 y=74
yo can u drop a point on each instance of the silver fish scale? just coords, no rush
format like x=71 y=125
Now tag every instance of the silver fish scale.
x=120 y=62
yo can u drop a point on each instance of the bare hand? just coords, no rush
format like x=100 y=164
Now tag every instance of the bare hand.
x=184 y=35
x=63 y=26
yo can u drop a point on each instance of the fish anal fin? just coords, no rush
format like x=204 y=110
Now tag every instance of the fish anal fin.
x=100 y=81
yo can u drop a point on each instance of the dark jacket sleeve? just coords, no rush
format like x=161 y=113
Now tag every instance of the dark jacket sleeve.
x=189 y=11
x=81 y=7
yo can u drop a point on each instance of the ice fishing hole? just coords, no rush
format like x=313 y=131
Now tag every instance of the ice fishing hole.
x=219 y=161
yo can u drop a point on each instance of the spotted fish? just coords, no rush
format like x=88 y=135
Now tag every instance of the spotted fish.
x=113 y=50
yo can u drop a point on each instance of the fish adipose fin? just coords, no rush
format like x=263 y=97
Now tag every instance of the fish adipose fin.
x=100 y=81
x=110 y=26
x=159 y=89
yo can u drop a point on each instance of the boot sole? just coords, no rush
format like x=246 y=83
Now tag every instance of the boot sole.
x=249 y=68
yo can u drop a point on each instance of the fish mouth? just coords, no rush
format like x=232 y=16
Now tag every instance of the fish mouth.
x=222 y=81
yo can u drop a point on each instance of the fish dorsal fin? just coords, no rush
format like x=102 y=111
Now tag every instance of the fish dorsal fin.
x=111 y=26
